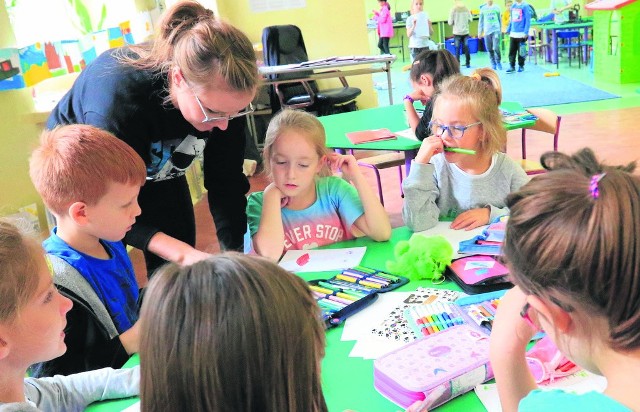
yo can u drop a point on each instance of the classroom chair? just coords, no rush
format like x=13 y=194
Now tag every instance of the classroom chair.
x=284 y=45
x=536 y=45
x=569 y=40
x=548 y=122
x=383 y=161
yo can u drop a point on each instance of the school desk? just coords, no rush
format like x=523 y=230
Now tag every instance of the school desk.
x=393 y=118
x=348 y=382
x=550 y=37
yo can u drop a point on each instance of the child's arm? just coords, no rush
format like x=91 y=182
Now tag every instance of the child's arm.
x=480 y=24
x=375 y=220
x=130 y=339
x=74 y=393
x=508 y=344
x=411 y=25
x=174 y=250
x=268 y=241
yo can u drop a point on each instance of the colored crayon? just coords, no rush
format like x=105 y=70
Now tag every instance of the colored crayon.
x=332 y=304
x=345 y=302
x=347 y=296
x=484 y=311
x=489 y=308
x=359 y=282
x=349 y=285
x=321 y=289
x=460 y=150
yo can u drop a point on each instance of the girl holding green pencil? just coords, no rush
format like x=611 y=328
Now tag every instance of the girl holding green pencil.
x=460 y=172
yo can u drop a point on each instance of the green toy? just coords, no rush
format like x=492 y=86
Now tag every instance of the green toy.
x=421 y=257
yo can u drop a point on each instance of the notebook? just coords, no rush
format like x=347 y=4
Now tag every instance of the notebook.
x=366 y=136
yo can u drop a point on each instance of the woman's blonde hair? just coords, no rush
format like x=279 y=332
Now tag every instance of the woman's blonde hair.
x=306 y=124
x=19 y=267
x=481 y=94
x=191 y=38
x=231 y=333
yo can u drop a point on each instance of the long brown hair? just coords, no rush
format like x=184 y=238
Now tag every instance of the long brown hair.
x=19 y=267
x=573 y=237
x=191 y=38
x=231 y=333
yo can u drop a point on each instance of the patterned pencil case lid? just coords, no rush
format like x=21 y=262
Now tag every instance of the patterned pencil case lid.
x=437 y=368
x=351 y=291
x=479 y=274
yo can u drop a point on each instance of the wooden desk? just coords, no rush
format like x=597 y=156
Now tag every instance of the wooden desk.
x=348 y=382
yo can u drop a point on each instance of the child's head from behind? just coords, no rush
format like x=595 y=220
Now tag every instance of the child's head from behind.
x=430 y=68
x=295 y=143
x=230 y=333
x=572 y=241
x=32 y=312
x=465 y=100
x=81 y=164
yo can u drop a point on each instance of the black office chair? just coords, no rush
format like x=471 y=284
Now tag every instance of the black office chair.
x=284 y=45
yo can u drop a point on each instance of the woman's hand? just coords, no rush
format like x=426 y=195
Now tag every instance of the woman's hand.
x=472 y=219
x=430 y=146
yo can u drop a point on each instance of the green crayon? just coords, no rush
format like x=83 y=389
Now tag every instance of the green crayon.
x=460 y=150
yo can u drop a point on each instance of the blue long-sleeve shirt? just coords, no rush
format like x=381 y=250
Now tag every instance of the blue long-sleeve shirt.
x=520 y=20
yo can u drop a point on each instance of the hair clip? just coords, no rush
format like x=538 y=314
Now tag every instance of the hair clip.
x=593 y=186
x=475 y=76
x=416 y=62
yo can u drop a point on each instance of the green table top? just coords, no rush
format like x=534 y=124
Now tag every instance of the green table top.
x=348 y=382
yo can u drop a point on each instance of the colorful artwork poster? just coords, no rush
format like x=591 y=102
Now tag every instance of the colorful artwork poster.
x=10 y=75
x=88 y=49
x=33 y=64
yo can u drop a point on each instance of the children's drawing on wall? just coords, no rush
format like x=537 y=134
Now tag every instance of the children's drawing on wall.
x=59 y=37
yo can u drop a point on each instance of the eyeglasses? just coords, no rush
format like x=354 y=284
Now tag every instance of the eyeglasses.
x=524 y=313
x=217 y=118
x=455 y=132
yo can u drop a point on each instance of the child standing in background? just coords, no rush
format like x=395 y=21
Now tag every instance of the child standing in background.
x=489 y=28
x=470 y=189
x=32 y=320
x=305 y=206
x=506 y=15
x=518 y=31
x=230 y=333
x=428 y=70
x=385 y=26
x=574 y=253
x=459 y=18
x=90 y=181
x=419 y=29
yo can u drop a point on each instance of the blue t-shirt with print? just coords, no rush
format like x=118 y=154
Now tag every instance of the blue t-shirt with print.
x=113 y=279
x=557 y=400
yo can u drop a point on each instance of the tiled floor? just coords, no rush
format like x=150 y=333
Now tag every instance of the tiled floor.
x=609 y=127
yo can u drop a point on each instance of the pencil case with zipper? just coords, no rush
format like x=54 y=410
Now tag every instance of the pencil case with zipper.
x=351 y=291
x=435 y=368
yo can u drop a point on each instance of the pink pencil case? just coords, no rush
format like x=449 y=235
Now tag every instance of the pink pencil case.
x=437 y=368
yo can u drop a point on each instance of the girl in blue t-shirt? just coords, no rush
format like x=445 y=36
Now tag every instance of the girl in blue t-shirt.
x=305 y=206
x=574 y=252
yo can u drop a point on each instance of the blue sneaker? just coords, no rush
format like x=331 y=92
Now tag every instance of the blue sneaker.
x=520 y=69
x=493 y=66
x=510 y=70
x=499 y=65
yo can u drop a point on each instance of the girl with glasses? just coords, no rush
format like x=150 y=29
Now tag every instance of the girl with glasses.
x=574 y=254
x=444 y=184
x=181 y=96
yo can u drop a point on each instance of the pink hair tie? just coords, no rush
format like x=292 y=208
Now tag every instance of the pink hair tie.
x=593 y=186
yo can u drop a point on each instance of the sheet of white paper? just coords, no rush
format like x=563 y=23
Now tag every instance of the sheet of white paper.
x=408 y=133
x=133 y=408
x=360 y=324
x=322 y=260
x=580 y=382
x=478 y=264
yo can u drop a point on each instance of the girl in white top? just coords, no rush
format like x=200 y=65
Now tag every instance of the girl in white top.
x=419 y=29
x=469 y=189
x=32 y=322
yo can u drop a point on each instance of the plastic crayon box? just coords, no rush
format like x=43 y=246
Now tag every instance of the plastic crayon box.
x=477 y=310
x=351 y=290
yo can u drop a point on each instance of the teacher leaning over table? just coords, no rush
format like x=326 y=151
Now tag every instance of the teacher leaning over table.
x=182 y=95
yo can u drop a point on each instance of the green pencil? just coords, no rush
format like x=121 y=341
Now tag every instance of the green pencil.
x=460 y=150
